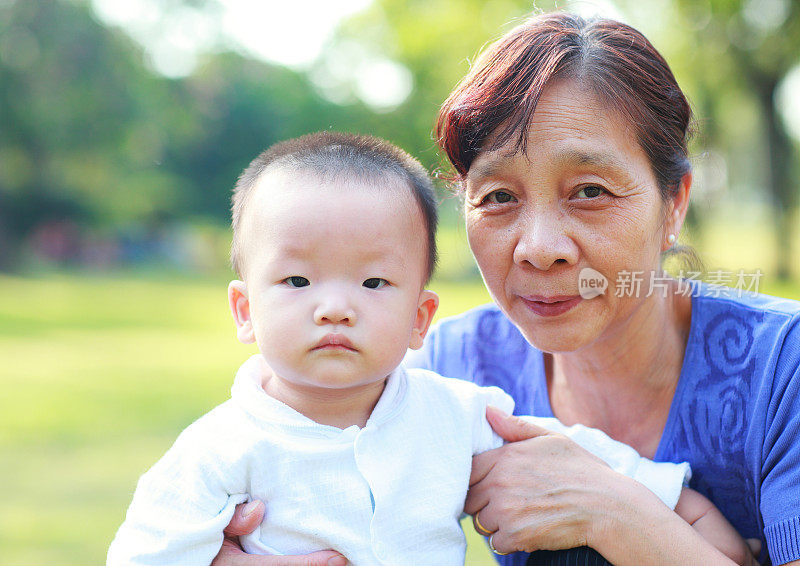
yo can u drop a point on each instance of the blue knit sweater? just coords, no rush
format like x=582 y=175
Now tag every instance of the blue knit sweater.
x=735 y=416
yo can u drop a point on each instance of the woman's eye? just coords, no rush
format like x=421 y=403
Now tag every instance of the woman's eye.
x=375 y=283
x=296 y=281
x=498 y=197
x=591 y=191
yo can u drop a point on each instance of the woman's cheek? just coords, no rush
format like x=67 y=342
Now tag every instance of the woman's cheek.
x=492 y=253
x=621 y=245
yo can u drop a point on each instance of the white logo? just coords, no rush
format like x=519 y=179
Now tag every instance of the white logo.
x=591 y=283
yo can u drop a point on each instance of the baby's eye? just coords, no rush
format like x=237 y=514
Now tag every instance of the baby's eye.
x=498 y=197
x=296 y=281
x=375 y=283
x=591 y=191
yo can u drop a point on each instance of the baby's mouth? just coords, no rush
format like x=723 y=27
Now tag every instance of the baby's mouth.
x=335 y=342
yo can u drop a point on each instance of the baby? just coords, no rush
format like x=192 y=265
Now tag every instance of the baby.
x=333 y=238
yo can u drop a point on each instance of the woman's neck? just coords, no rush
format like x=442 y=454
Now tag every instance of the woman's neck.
x=340 y=408
x=624 y=382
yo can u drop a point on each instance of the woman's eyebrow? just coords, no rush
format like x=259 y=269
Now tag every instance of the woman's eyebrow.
x=603 y=160
x=495 y=163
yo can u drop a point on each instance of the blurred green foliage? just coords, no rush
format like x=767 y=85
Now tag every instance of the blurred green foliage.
x=746 y=49
x=729 y=56
x=91 y=136
x=101 y=371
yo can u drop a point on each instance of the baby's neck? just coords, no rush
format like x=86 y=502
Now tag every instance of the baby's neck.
x=340 y=408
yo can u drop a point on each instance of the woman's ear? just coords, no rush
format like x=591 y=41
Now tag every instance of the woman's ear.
x=428 y=303
x=240 y=309
x=677 y=211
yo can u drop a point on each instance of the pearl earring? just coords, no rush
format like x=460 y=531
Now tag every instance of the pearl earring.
x=671 y=239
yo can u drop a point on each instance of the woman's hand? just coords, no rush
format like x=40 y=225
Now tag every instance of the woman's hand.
x=543 y=491
x=245 y=520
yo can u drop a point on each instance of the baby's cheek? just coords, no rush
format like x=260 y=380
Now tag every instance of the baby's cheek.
x=279 y=340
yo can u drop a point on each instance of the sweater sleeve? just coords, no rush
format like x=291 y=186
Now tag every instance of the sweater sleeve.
x=780 y=468
x=179 y=510
x=664 y=479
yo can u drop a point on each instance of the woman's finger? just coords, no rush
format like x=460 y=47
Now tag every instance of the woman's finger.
x=484 y=523
x=482 y=464
x=476 y=500
x=511 y=428
x=478 y=494
x=322 y=558
x=500 y=544
x=246 y=519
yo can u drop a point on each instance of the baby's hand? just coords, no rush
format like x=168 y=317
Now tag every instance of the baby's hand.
x=715 y=528
x=244 y=521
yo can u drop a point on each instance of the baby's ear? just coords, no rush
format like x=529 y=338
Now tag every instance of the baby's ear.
x=428 y=303
x=240 y=309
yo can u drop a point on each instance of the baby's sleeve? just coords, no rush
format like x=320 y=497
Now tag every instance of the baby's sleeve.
x=179 y=510
x=483 y=437
x=664 y=479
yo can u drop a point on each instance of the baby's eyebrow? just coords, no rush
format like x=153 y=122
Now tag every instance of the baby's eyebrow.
x=295 y=249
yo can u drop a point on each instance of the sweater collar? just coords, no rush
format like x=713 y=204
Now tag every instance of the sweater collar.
x=248 y=394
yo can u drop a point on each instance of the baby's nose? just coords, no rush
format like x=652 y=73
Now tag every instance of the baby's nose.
x=335 y=311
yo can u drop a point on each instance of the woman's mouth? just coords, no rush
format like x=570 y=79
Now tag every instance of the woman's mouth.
x=551 y=306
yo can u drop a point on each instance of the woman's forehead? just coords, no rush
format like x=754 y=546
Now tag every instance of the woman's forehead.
x=571 y=126
x=492 y=163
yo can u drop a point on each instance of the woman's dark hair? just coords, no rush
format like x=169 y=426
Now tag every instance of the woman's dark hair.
x=499 y=95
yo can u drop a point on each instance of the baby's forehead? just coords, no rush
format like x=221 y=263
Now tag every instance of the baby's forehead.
x=294 y=183
x=318 y=219
x=286 y=193
x=288 y=174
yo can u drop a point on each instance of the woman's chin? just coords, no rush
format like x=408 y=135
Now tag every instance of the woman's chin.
x=565 y=333
x=555 y=343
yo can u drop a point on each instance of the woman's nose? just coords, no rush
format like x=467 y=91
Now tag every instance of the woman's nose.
x=335 y=309
x=543 y=241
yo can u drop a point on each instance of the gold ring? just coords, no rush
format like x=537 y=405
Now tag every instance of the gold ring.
x=483 y=531
x=493 y=549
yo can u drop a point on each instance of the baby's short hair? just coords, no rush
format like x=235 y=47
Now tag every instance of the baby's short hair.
x=334 y=154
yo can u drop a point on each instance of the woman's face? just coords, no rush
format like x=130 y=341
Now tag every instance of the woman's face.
x=582 y=195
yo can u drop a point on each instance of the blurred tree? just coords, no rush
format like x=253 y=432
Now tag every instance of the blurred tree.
x=435 y=40
x=238 y=107
x=748 y=47
x=70 y=95
x=726 y=50
x=88 y=133
x=90 y=136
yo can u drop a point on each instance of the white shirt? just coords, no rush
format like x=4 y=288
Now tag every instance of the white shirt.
x=389 y=493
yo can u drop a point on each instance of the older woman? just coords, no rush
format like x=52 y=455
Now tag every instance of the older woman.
x=568 y=139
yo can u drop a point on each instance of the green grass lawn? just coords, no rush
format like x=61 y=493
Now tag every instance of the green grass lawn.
x=100 y=373
x=99 y=376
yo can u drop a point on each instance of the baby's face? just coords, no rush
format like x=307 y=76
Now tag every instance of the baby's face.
x=334 y=275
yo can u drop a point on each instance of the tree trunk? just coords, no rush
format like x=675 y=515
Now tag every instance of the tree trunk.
x=779 y=180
